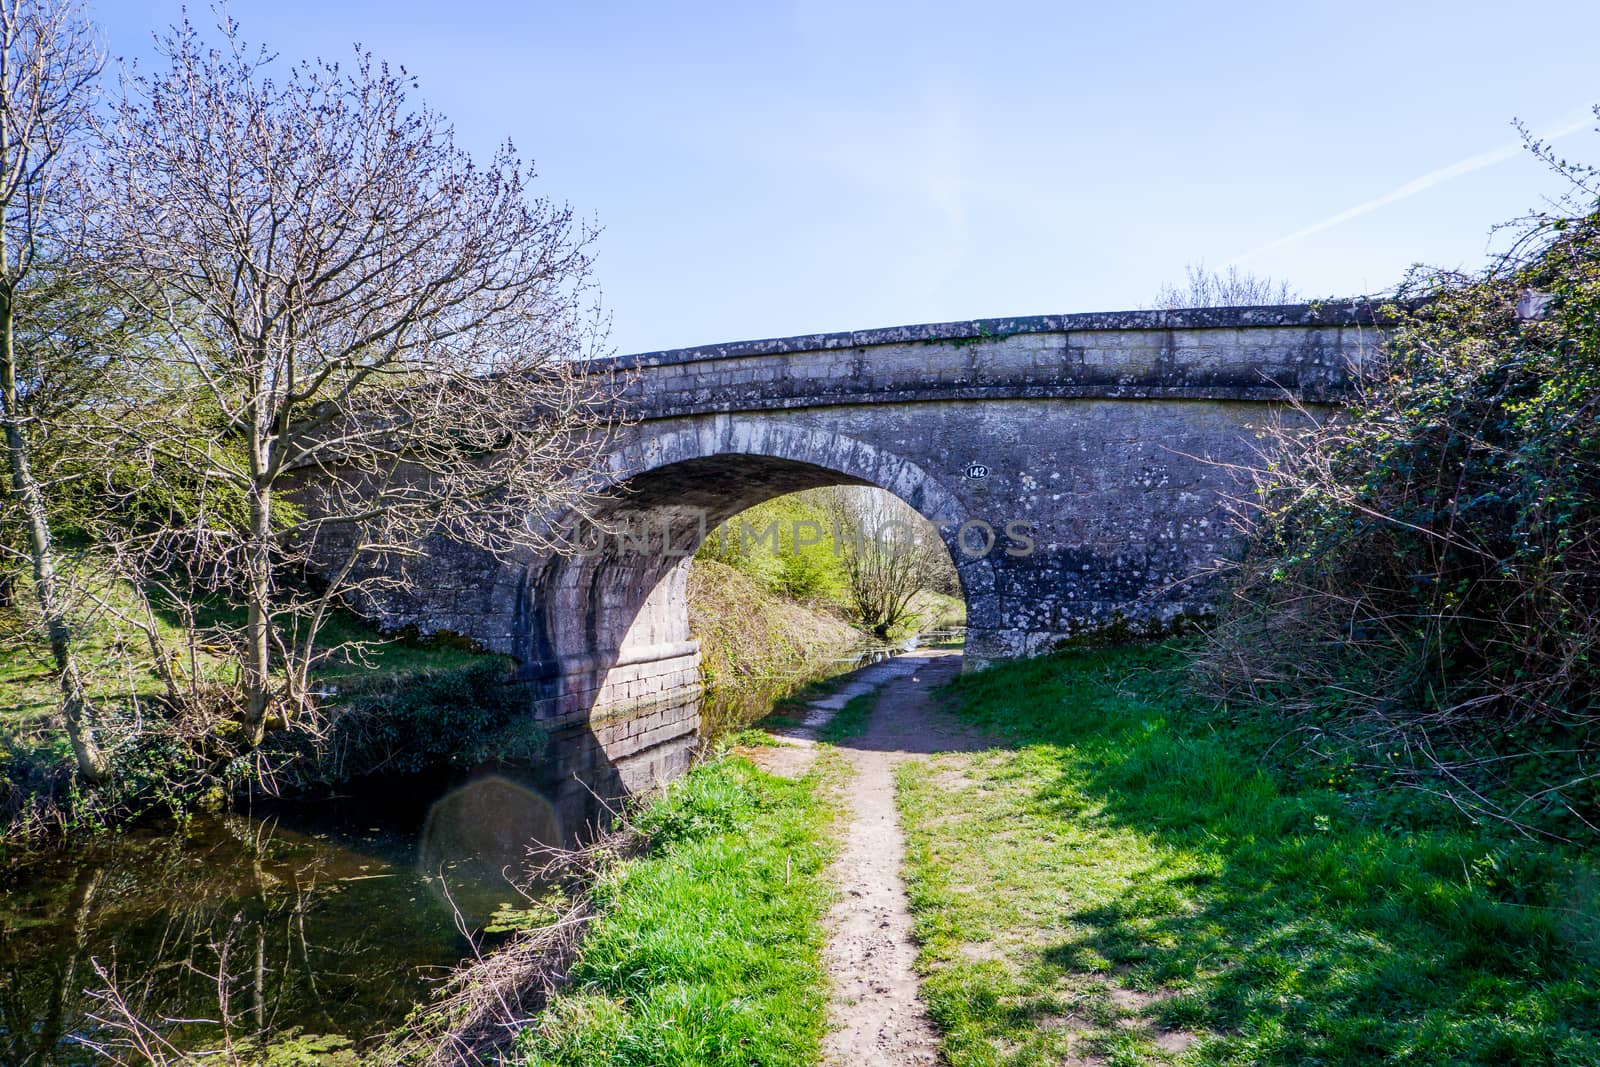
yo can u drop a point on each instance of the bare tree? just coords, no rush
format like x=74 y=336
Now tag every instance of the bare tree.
x=49 y=66
x=1223 y=288
x=370 y=339
x=889 y=554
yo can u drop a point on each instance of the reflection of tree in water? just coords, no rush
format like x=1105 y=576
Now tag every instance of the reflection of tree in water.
x=36 y=1007
x=310 y=935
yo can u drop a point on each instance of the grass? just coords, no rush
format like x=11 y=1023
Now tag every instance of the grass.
x=789 y=712
x=388 y=655
x=1135 y=878
x=937 y=611
x=37 y=797
x=850 y=720
x=757 y=647
x=706 y=951
x=114 y=657
x=791 y=709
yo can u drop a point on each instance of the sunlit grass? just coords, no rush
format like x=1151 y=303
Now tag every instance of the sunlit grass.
x=1129 y=878
x=706 y=952
x=113 y=654
x=850 y=720
x=116 y=659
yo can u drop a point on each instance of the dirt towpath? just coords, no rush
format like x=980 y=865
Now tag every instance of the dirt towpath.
x=877 y=1017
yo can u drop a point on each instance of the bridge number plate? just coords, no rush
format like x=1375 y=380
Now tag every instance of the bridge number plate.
x=977 y=470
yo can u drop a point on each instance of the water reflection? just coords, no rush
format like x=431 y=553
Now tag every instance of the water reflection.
x=337 y=925
x=731 y=704
x=474 y=842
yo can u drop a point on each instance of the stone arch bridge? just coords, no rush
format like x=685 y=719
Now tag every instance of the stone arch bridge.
x=1107 y=435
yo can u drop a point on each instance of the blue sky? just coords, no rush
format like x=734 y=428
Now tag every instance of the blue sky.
x=764 y=169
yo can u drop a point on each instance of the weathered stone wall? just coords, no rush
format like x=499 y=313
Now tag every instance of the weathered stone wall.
x=1111 y=438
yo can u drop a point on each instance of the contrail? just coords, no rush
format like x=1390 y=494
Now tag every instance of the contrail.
x=1418 y=185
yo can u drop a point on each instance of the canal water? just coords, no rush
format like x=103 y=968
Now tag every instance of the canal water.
x=730 y=705
x=330 y=920
x=327 y=920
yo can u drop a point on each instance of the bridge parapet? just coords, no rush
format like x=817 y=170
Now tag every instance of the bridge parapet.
x=1307 y=351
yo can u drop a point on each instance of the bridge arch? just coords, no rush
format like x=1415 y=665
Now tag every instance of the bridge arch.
x=609 y=626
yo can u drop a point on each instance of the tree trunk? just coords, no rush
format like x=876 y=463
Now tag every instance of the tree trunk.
x=258 y=592
x=92 y=764
x=164 y=661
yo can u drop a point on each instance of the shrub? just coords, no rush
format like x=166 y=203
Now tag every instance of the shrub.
x=1424 y=570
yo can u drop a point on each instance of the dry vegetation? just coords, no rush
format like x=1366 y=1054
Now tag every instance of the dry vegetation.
x=754 y=645
x=1422 y=593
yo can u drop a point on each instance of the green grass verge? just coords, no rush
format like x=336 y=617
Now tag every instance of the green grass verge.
x=436 y=698
x=850 y=720
x=1138 y=878
x=111 y=655
x=706 y=951
x=789 y=712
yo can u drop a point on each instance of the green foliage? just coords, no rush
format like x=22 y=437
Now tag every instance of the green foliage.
x=296 y=1049
x=530 y=916
x=161 y=498
x=1424 y=580
x=161 y=764
x=83 y=364
x=756 y=646
x=986 y=335
x=707 y=951
x=162 y=760
x=786 y=543
x=1128 y=875
x=448 y=705
x=706 y=805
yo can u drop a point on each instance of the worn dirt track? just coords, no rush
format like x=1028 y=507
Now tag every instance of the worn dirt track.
x=876 y=1013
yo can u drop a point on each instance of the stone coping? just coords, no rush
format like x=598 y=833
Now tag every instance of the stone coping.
x=1349 y=313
